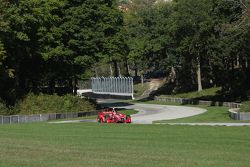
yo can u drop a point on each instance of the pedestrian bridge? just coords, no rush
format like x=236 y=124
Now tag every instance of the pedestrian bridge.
x=119 y=86
x=110 y=87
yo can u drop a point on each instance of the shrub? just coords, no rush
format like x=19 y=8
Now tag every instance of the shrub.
x=245 y=107
x=3 y=108
x=34 y=104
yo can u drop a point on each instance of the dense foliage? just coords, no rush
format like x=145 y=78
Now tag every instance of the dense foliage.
x=35 y=104
x=245 y=107
x=47 y=46
x=42 y=103
x=200 y=44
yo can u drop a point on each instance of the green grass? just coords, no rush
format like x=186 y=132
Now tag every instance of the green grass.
x=128 y=111
x=196 y=94
x=139 y=89
x=213 y=115
x=123 y=145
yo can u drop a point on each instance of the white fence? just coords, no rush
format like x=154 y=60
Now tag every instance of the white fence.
x=121 y=86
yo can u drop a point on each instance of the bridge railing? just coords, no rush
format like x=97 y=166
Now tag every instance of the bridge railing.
x=122 y=86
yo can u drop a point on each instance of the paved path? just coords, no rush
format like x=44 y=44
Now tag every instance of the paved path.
x=152 y=112
x=209 y=124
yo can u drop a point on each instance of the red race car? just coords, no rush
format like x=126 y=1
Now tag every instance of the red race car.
x=110 y=115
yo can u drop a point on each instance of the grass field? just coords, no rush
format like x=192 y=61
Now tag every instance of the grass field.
x=123 y=145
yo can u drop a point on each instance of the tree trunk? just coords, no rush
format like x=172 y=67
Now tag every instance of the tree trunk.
x=116 y=68
x=199 y=75
x=75 y=86
x=173 y=74
x=142 y=80
x=52 y=86
x=96 y=73
x=110 y=69
x=119 y=70
x=246 y=64
x=136 y=69
x=35 y=87
x=126 y=68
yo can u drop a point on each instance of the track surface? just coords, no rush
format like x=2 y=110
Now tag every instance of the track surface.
x=153 y=112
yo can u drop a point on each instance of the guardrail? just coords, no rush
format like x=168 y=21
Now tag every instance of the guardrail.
x=235 y=114
x=197 y=102
x=12 y=119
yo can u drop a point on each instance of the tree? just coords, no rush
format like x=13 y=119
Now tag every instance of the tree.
x=92 y=32
x=148 y=35
x=194 y=28
x=49 y=43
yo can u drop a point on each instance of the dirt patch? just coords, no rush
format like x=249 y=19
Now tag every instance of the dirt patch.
x=154 y=84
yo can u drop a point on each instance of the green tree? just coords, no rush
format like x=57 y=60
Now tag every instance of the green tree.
x=148 y=34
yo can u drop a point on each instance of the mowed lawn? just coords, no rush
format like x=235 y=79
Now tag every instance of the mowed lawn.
x=123 y=145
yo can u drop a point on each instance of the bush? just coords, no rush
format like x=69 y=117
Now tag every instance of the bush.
x=35 y=104
x=3 y=108
x=245 y=107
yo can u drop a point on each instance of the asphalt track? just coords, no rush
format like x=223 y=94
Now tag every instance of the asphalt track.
x=152 y=112
x=147 y=113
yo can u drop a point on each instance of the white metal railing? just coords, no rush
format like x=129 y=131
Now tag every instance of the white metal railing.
x=121 y=86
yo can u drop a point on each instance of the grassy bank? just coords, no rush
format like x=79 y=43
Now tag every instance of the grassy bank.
x=93 y=145
x=139 y=89
x=202 y=94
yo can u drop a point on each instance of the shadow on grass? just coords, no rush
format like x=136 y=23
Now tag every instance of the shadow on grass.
x=113 y=104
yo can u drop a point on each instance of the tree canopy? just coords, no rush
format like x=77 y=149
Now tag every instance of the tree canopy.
x=52 y=43
x=198 y=43
x=45 y=45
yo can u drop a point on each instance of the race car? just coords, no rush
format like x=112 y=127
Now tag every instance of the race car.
x=110 y=115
